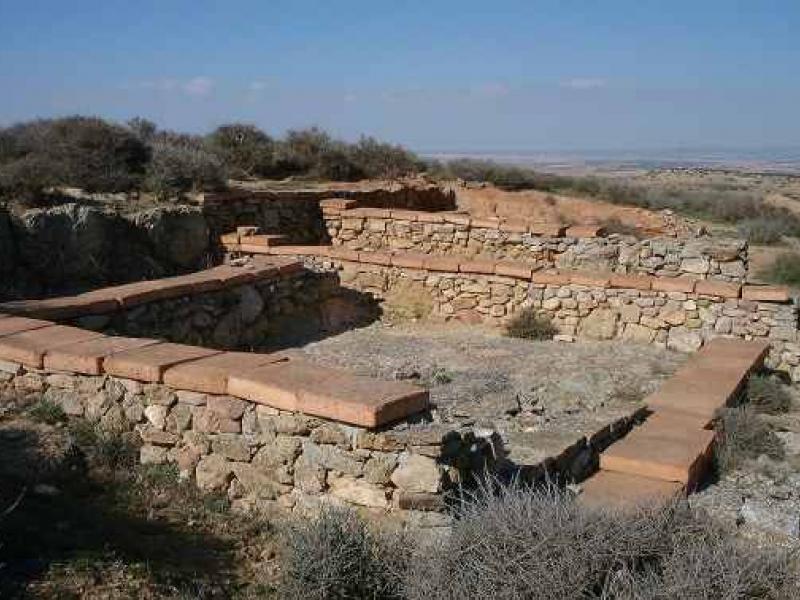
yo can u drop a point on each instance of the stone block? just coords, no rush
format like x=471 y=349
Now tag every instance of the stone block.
x=615 y=491
x=88 y=356
x=709 y=287
x=478 y=266
x=210 y=374
x=673 y=284
x=29 y=347
x=149 y=363
x=766 y=293
x=418 y=474
x=12 y=325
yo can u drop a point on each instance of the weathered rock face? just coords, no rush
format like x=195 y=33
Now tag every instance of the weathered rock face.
x=72 y=247
x=178 y=235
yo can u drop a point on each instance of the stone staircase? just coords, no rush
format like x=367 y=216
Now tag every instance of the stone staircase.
x=671 y=453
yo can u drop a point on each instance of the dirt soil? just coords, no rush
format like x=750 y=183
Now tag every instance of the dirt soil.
x=488 y=201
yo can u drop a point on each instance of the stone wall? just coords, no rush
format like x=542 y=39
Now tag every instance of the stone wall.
x=264 y=458
x=297 y=214
x=271 y=313
x=541 y=245
x=677 y=315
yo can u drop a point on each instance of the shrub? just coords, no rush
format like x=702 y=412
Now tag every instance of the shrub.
x=245 y=149
x=181 y=166
x=377 y=160
x=743 y=436
x=335 y=555
x=48 y=412
x=84 y=152
x=768 y=395
x=764 y=230
x=784 y=269
x=535 y=544
x=529 y=325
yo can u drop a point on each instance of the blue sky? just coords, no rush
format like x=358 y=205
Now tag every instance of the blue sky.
x=434 y=75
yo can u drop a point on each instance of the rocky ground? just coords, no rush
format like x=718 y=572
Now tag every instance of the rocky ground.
x=541 y=398
x=761 y=497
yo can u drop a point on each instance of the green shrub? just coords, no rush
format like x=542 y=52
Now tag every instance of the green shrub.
x=335 y=555
x=768 y=395
x=84 y=152
x=48 y=412
x=784 y=269
x=744 y=436
x=377 y=160
x=527 y=324
x=244 y=149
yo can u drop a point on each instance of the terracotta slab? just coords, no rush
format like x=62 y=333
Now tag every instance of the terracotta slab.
x=296 y=385
x=661 y=452
x=632 y=282
x=150 y=362
x=409 y=260
x=448 y=264
x=66 y=307
x=709 y=287
x=29 y=347
x=611 y=490
x=590 y=279
x=478 y=266
x=550 y=278
x=754 y=351
x=766 y=293
x=88 y=356
x=12 y=325
x=376 y=258
x=673 y=284
x=585 y=231
x=210 y=374
x=514 y=269
x=547 y=229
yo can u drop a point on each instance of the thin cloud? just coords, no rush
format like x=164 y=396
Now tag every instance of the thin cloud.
x=198 y=87
x=491 y=90
x=584 y=83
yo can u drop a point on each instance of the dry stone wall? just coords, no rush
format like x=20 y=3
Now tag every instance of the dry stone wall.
x=540 y=245
x=679 y=313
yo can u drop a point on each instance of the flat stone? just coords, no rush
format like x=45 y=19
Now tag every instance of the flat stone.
x=418 y=474
x=359 y=492
x=213 y=473
x=87 y=357
x=65 y=307
x=12 y=325
x=299 y=386
x=149 y=363
x=210 y=374
x=612 y=490
x=29 y=347
x=765 y=293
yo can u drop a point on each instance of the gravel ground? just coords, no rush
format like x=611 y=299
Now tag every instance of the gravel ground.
x=541 y=398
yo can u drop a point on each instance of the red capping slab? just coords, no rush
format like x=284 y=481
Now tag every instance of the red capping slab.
x=514 y=226
x=766 y=293
x=404 y=215
x=445 y=264
x=547 y=229
x=230 y=275
x=486 y=223
x=660 y=452
x=631 y=282
x=427 y=217
x=550 y=278
x=150 y=362
x=673 y=284
x=254 y=248
x=11 y=325
x=142 y=292
x=66 y=307
x=409 y=260
x=295 y=250
x=457 y=219
x=478 y=266
x=205 y=281
x=754 y=351
x=373 y=213
x=590 y=279
x=210 y=374
x=623 y=491
x=29 y=347
x=247 y=230
x=514 y=269
x=709 y=287
x=339 y=253
x=229 y=238
x=87 y=356
x=337 y=203
x=297 y=385
x=231 y=248
x=585 y=231
x=375 y=258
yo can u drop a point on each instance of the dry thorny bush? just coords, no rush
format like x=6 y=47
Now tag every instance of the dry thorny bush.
x=516 y=543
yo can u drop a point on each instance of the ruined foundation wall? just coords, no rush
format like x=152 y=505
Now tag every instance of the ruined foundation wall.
x=541 y=246
x=680 y=320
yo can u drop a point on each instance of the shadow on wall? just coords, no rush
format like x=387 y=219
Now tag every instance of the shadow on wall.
x=72 y=247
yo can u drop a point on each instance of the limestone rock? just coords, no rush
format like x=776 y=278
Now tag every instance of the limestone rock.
x=684 y=340
x=213 y=473
x=601 y=324
x=359 y=492
x=418 y=474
